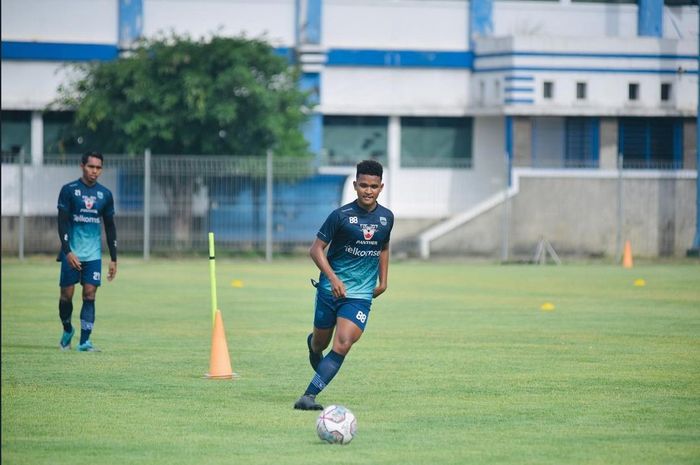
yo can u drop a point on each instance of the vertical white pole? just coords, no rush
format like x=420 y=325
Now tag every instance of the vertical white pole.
x=620 y=209
x=21 y=205
x=268 y=209
x=147 y=205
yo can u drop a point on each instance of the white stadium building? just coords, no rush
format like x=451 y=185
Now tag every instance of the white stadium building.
x=499 y=122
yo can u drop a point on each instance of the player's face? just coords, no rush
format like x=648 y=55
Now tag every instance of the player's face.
x=368 y=188
x=91 y=170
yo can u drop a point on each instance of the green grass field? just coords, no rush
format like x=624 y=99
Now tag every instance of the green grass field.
x=459 y=365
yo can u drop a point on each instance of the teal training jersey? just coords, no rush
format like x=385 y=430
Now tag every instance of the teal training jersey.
x=86 y=205
x=356 y=239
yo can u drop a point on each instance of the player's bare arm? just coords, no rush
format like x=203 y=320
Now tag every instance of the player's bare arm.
x=383 y=272
x=318 y=255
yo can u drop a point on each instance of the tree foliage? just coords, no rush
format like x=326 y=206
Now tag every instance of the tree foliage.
x=176 y=95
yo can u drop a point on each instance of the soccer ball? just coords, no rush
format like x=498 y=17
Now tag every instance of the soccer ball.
x=336 y=425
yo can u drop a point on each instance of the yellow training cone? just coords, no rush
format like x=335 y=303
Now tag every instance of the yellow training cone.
x=236 y=283
x=547 y=307
x=640 y=282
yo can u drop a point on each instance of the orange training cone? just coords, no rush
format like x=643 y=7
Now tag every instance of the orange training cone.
x=627 y=255
x=220 y=362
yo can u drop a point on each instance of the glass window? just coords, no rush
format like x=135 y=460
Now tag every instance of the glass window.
x=666 y=91
x=581 y=90
x=16 y=135
x=633 y=91
x=350 y=139
x=565 y=142
x=548 y=89
x=651 y=143
x=436 y=142
x=582 y=142
x=58 y=137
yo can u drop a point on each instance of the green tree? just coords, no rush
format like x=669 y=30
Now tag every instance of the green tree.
x=179 y=96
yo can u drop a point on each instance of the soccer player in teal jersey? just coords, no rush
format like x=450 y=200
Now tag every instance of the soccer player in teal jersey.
x=353 y=272
x=83 y=206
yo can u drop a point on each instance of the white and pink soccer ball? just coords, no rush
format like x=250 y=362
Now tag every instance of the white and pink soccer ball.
x=336 y=425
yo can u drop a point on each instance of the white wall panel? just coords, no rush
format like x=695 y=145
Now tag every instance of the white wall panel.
x=386 y=24
x=383 y=91
x=72 y=21
x=561 y=19
x=31 y=85
x=254 y=18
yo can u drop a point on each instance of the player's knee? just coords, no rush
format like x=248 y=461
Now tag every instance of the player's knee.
x=89 y=294
x=342 y=345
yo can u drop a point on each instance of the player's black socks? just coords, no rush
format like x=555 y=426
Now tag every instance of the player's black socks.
x=65 y=310
x=327 y=369
x=87 y=319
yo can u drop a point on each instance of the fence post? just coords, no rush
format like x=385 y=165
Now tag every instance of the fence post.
x=620 y=209
x=268 y=208
x=147 y=204
x=20 y=229
x=505 y=233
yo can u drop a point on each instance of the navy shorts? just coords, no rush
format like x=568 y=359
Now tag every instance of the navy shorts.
x=90 y=274
x=329 y=308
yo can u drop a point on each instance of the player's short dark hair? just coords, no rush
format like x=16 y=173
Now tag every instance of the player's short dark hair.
x=87 y=155
x=370 y=167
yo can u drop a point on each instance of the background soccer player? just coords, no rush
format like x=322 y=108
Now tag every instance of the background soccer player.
x=358 y=234
x=82 y=206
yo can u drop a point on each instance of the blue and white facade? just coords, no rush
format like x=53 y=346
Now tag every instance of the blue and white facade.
x=448 y=94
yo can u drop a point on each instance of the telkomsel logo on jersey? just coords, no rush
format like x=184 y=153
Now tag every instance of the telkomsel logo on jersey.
x=368 y=230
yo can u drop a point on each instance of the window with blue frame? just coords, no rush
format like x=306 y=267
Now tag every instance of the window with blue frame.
x=582 y=142
x=651 y=143
x=565 y=142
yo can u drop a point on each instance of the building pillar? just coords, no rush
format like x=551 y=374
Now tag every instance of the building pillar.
x=37 y=138
x=312 y=58
x=130 y=22
x=480 y=20
x=522 y=141
x=393 y=157
x=650 y=18
x=608 y=144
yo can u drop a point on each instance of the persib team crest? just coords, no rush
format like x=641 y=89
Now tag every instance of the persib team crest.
x=89 y=201
x=368 y=230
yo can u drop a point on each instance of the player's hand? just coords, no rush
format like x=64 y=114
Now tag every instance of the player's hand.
x=379 y=290
x=112 y=271
x=338 y=288
x=73 y=261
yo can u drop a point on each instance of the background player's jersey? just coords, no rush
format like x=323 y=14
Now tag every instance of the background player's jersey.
x=356 y=239
x=86 y=206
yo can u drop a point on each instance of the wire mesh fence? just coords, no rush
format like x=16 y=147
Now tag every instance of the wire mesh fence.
x=254 y=205
x=168 y=204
